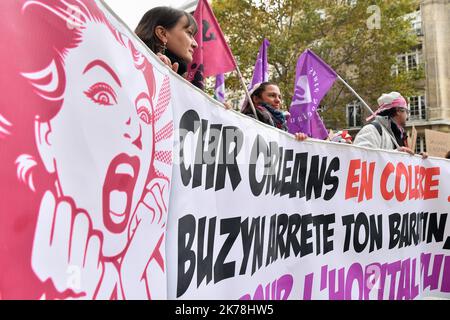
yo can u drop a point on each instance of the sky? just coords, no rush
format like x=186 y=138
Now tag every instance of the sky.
x=131 y=11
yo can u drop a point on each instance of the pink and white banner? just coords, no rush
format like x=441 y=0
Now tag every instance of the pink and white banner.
x=86 y=136
x=121 y=180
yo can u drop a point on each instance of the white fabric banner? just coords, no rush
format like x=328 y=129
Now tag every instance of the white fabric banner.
x=283 y=219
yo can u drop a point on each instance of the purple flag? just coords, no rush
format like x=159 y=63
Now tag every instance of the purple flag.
x=313 y=79
x=261 y=71
x=219 y=90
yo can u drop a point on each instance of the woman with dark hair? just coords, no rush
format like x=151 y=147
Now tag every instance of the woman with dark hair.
x=266 y=98
x=169 y=33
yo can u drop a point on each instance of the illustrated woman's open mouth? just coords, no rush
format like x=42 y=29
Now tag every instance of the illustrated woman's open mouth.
x=118 y=188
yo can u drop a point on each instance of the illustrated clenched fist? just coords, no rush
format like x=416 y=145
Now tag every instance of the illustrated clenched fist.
x=66 y=250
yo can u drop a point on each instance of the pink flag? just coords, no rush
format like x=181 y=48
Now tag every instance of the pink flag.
x=213 y=56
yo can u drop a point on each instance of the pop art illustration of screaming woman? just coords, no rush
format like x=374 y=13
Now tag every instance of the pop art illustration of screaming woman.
x=85 y=150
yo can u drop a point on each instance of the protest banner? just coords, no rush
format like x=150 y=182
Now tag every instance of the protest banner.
x=438 y=143
x=121 y=180
x=255 y=214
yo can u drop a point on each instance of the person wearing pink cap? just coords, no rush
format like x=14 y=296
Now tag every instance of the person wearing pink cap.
x=387 y=130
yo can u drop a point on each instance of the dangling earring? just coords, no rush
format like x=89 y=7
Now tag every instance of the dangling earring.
x=163 y=48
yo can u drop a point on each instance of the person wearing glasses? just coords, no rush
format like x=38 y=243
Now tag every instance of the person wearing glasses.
x=387 y=123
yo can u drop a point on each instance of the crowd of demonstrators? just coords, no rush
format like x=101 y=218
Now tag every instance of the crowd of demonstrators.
x=169 y=33
x=266 y=98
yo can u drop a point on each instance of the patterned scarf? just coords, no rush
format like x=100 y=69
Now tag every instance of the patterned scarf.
x=277 y=116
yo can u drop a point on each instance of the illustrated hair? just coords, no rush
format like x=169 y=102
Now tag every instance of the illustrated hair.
x=25 y=163
x=72 y=14
x=4 y=127
x=49 y=83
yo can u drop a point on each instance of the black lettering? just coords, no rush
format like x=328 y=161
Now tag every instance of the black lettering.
x=247 y=236
x=306 y=247
x=205 y=264
x=258 y=247
x=291 y=239
x=272 y=247
x=360 y=222
x=286 y=185
x=315 y=179
x=347 y=221
x=299 y=175
x=209 y=156
x=190 y=122
x=394 y=232
x=376 y=232
x=259 y=148
x=227 y=158
x=223 y=270
x=198 y=165
x=328 y=232
x=186 y=228
x=435 y=229
x=331 y=180
x=282 y=224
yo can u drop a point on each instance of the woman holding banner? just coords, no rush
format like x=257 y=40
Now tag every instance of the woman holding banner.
x=169 y=33
x=77 y=141
x=266 y=98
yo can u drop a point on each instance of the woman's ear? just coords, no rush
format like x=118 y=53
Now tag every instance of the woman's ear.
x=43 y=135
x=161 y=34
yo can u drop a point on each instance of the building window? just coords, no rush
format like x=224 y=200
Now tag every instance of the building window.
x=407 y=61
x=420 y=145
x=417 y=108
x=354 y=114
x=416 y=22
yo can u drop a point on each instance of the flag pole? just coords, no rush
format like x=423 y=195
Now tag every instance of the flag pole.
x=241 y=78
x=368 y=108
x=356 y=94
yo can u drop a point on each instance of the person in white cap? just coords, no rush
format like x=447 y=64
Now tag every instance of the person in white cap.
x=387 y=130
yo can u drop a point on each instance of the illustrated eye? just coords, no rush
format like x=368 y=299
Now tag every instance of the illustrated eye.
x=143 y=109
x=102 y=94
